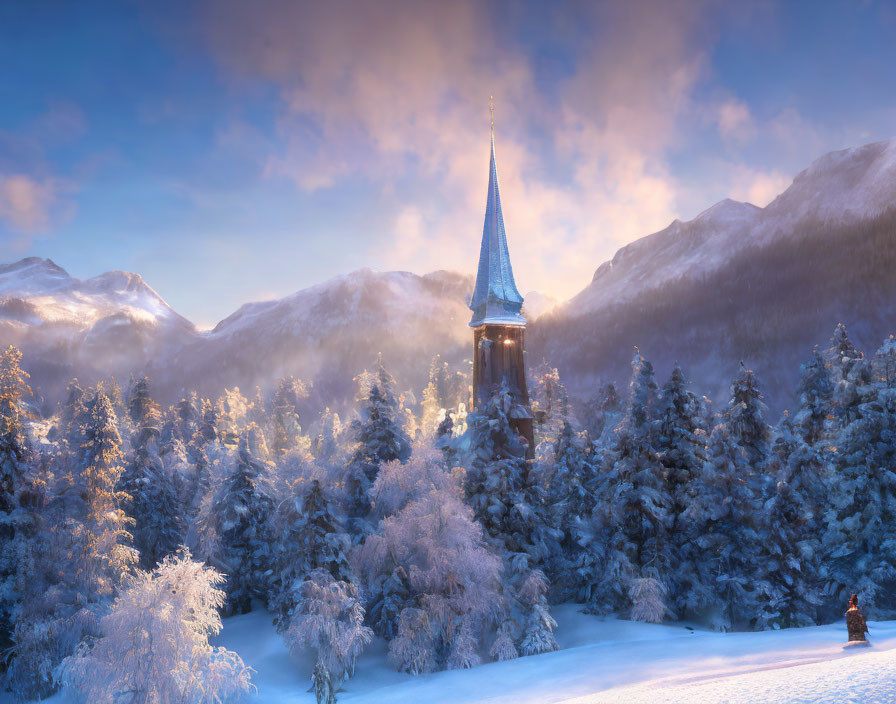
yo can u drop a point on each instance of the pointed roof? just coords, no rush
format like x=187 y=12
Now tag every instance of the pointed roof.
x=496 y=299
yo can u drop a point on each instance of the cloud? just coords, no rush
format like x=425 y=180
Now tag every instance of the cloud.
x=395 y=94
x=735 y=123
x=26 y=204
x=758 y=187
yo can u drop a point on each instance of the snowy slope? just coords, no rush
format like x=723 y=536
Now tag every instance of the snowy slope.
x=605 y=661
x=601 y=661
x=327 y=334
x=51 y=296
x=847 y=185
x=110 y=325
x=763 y=285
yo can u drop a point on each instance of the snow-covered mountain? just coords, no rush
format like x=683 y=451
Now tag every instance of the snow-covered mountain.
x=115 y=324
x=740 y=282
x=111 y=324
x=737 y=282
x=328 y=333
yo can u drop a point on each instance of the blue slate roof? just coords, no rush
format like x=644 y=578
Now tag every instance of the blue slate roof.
x=496 y=299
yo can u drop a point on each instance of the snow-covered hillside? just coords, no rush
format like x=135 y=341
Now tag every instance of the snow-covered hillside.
x=763 y=285
x=737 y=282
x=44 y=293
x=843 y=186
x=328 y=333
x=601 y=661
x=606 y=661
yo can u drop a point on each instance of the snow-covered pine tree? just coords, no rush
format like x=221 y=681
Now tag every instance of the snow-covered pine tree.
x=570 y=502
x=152 y=503
x=380 y=438
x=154 y=642
x=435 y=397
x=308 y=534
x=639 y=509
x=860 y=540
x=286 y=429
x=73 y=416
x=241 y=510
x=104 y=540
x=816 y=399
x=850 y=374
x=602 y=414
x=208 y=425
x=497 y=464
x=681 y=443
x=187 y=412
x=788 y=578
x=325 y=445
x=16 y=525
x=727 y=532
x=550 y=402
x=538 y=630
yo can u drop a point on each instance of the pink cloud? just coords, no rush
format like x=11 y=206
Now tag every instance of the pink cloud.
x=26 y=203
x=392 y=89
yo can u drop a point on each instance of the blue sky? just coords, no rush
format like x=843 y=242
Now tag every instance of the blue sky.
x=233 y=151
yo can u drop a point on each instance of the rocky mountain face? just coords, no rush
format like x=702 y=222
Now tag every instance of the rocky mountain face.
x=738 y=282
x=762 y=285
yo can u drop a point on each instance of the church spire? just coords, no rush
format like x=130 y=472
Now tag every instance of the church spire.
x=496 y=299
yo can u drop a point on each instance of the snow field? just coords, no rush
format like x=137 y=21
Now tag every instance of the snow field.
x=604 y=661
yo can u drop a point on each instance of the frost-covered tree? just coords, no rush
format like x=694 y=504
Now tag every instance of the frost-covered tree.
x=308 y=534
x=639 y=509
x=788 y=574
x=398 y=484
x=241 y=510
x=859 y=542
x=15 y=521
x=453 y=581
x=436 y=397
x=724 y=518
x=325 y=445
x=329 y=618
x=154 y=643
x=648 y=598
x=380 y=438
x=538 y=630
x=850 y=374
x=550 y=402
x=681 y=443
x=232 y=417
x=152 y=502
x=816 y=399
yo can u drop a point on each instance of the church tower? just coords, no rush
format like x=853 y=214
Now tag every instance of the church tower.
x=498 y=326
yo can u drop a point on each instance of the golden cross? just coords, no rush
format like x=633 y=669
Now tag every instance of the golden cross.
x=491 y=110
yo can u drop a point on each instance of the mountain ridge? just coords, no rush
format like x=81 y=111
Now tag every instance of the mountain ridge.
x=71 y=325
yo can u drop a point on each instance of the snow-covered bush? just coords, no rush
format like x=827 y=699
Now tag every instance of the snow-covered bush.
x=329 y=618
x=647 y=596
x=450 y=581
x=398 y=484
x=154 y=642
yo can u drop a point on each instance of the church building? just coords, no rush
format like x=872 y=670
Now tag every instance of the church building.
x=498 y=325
